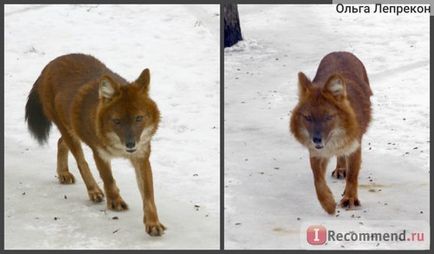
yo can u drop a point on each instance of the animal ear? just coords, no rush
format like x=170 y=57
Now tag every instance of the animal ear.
x=335 y=86
x=107 y=87
x=304 y=85
x=144 y=79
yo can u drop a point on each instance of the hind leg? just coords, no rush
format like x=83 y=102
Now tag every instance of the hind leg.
x=341 y=168
x=94 y=192
x=65 y=177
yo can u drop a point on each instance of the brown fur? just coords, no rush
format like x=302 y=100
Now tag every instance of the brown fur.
x=333 y=113
x=89 y=103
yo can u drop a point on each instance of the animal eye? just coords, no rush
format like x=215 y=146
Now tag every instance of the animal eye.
x=329 y=117
x=139 y=118
x=308 y=118
x=116 y=121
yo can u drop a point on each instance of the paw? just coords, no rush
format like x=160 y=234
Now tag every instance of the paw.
x=66 y=178
x=339 y=173
x=96 y=195
x=329 y=206
x=155 y=229
x=116 y=204
x=349 y=202
x=325 y=198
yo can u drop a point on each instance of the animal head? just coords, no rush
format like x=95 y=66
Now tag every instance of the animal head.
x=127 y=116
x=323 y=117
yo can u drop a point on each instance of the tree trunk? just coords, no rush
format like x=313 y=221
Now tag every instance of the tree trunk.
x=231 y=24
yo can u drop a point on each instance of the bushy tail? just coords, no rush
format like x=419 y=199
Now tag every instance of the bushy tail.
x=38 y=124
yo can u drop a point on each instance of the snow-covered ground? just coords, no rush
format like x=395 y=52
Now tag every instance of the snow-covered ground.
x=180 y=46
x=269 y=191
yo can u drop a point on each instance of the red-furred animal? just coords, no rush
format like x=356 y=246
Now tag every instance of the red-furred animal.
x=91 y=104
x=332 y=114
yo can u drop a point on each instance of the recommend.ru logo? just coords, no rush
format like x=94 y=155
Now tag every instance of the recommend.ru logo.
x=316 y=235
x=366 y=234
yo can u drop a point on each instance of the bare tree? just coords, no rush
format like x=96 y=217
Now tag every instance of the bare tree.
x=232 y=27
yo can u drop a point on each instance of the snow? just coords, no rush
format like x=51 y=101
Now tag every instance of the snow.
x=178 y=43
x=269 y=191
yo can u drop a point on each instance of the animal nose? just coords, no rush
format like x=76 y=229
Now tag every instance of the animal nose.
x=317 y=139
x=130 y=144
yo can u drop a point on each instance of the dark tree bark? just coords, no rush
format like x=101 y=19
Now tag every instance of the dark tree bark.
x=232 y=27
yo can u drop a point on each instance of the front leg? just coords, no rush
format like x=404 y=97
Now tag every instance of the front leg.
x=144 y=180
x=350 y=198
x=325 y=196
x=114 y=199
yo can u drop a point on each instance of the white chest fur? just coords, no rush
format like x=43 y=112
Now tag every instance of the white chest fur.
x=329 y=151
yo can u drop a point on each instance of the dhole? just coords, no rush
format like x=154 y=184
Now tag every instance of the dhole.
x=115 y=118
x=332 y=114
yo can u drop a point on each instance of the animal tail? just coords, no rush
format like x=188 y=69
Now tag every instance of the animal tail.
x=37 y=122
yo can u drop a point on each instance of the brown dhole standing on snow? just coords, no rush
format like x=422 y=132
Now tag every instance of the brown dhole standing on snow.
x=332 y=114
x=89 y=103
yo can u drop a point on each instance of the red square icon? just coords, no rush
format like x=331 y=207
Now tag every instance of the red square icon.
x=316 y=235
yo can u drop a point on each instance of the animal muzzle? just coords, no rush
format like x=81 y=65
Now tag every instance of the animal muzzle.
x=130 y=146
x=318 y=141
